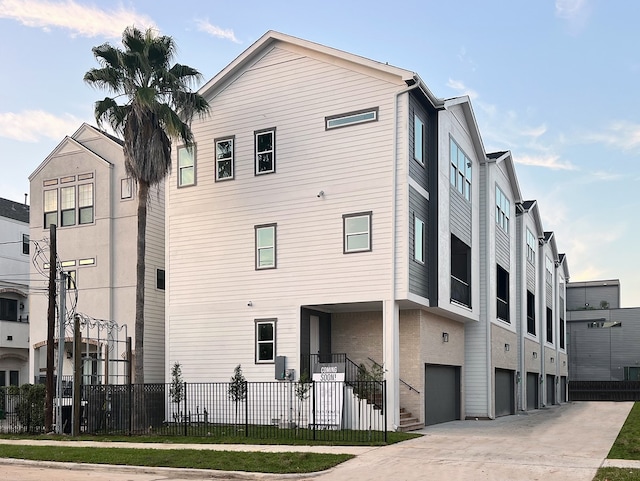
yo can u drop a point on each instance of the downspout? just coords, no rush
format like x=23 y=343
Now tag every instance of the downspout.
x=487 y=271
x=542 y=303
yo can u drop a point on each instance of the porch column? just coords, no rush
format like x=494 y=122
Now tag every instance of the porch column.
x=391 y=348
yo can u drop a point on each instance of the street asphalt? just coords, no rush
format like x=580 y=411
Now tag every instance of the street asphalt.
x=567 y=442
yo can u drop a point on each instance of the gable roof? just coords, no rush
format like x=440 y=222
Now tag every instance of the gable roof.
x=506 y=159
x=14 y=210
x=272 y=39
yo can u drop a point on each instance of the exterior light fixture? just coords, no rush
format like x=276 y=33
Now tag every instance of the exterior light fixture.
x=445 y=337
x=507 y=347
x=535 y=355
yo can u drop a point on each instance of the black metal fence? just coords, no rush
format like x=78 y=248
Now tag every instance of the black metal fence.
x=604 y=391
x=331 y=411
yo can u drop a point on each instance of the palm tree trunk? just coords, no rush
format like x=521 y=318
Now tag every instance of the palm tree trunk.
x=143 y=196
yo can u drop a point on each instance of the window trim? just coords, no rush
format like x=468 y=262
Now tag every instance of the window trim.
x=501 y=272
x=347 y=117
x=193 y=165
x=82 y=208
x=532 y=243
x=257 y=342
x=417 y=221
x=126 y=188
x=417 y=118
x=461 y=182
x=161 y=279
x=70 y=208
x=257 y=248
x=531 y=309
x=345 y=235
x=46 y=212
x=257 y=133
x=232 y=139
x=549 y=326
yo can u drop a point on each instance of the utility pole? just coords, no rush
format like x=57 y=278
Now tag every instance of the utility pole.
x=77 y=375
x=61 y=318
x=51 y=327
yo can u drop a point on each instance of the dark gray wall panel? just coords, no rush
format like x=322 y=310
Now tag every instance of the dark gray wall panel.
x=577 y=297
x=418 y=273
x=505 y=393
x=417 y=171
x=532 y=390
x=550 y=382
x=442 y=393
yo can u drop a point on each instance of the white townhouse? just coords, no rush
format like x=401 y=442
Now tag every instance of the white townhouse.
x=333 y=209
x=14 y=293
x=83 y=189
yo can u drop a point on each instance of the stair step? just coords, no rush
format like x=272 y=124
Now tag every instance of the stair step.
x=410 y=427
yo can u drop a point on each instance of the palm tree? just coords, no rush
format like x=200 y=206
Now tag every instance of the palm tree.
x=158 y=107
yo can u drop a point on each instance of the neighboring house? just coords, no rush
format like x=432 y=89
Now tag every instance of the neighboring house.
x=603 y=337
x=83 y=189
x=14 y=291
x=333 y=205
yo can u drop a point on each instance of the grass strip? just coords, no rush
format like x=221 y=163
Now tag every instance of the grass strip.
x=626 y=445
x=617 y=474
x=258 y=462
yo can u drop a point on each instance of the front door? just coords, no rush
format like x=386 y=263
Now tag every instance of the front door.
x=314 y=335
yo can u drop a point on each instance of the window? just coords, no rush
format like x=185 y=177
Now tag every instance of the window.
x=351 y=118
x=224 y=159
x=531 y=313
x=460 y=272
x=549 y=325
x=460 y=170
x=418 y=139
x=68 y=206
x=14 y=378
x=503 y=207
x=357 y=232
x=265 y=153
x=548 y=270
x=502 y=294
x=531 y=247
x=89 y=261
x=126 y=188
x=50 y=207
x=85 y=203
x=25 y=244
x=160 y=279
x=562 y=332
x=265 y=246
x=186 y=166
x=265 y=340
x=418 y=240
x=8 y=309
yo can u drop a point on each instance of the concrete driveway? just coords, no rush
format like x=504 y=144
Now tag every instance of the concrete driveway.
x=567 y=443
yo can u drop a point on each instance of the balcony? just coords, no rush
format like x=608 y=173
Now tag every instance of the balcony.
x=460 y=292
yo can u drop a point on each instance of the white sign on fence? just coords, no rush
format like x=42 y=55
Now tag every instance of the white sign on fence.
x=329 y=384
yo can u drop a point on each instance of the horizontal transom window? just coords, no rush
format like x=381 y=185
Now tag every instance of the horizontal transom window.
x=351 y=118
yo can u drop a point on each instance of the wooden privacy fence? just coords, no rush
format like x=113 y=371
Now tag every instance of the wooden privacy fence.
x=604 y=391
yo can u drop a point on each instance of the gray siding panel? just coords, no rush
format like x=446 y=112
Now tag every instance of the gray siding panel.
x=502 y=248
x=418 y=273
x=577 y=297
x=460 y=217
x=548 y=294
x=418 y=172
x=531 y=277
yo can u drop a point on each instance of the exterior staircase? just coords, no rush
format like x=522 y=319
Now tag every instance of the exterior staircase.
x=408 y=422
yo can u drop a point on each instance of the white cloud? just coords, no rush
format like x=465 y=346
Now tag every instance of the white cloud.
x=621 y=134
x=82 y=20
x=462 y=88
x=550 y=161
x=574 y=12
x=34 y=125
x=205 y=26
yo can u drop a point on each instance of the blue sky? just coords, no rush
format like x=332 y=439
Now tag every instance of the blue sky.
x=555 y=82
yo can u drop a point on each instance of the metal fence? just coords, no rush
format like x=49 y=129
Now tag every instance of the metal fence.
x=604 y=391
x=331 y=411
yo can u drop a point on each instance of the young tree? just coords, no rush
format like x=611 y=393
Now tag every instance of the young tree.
x=238 y=389
x=176 y=390
x=157 y=106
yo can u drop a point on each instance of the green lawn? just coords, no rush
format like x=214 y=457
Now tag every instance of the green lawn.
x=626 y=446
x=279 y=463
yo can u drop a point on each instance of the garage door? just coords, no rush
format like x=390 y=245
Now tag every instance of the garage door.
x=551 y=389
x=505 y=396
x=532 y=390
x=442 y=396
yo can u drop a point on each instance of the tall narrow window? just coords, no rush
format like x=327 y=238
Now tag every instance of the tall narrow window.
x=67 y=206
x=549 y=325
x=531 y=247
x=25 y=243
x=265 y=246
x=418 y=139
x=186 y=166
x=548 y=270
x=502 y=294
x=460 y=170
x=85 y=203
x=357 y=232
x=265 y=340
x=418 y=240
x=50 y=208
x=126 y=188
x=265 y=145
x=562 y=333
x=503 y=207
x=460 y=272
x=160 y=279
x=224 y=159
x=531 y=313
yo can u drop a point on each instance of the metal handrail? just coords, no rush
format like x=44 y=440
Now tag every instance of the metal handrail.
x=411 y=388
